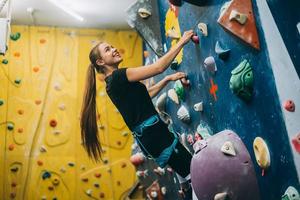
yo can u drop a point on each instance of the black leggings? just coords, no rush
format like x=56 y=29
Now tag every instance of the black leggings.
x=158 y=137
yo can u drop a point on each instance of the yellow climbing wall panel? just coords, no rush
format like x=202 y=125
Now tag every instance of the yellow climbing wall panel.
x=40 y=101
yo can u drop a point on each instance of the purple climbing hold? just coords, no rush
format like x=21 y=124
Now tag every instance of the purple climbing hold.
x=224 y=173
x=210 y=64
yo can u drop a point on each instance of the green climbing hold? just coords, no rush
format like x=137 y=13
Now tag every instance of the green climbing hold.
x=18 y=81
x=15 y=36
x=178 y=87
x=291 y=194
x=241 y=81
x=10 y=126
x=1 y=102
x=5 y=61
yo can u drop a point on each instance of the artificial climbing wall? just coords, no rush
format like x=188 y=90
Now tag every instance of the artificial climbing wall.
x=262 y=115
x=42 y=80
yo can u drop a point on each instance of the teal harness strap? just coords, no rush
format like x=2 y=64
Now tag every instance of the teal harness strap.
x=165 y=155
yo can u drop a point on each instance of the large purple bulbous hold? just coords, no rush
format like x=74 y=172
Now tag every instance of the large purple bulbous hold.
x=215 y=174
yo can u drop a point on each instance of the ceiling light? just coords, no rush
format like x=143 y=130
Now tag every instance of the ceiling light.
x=67 y=10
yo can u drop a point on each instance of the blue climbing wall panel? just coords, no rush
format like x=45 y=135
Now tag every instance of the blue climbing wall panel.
x=262 y=116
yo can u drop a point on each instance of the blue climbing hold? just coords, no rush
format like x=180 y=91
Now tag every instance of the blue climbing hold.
x=222 y=53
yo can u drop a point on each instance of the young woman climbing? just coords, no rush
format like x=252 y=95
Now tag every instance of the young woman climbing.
x=133 y=101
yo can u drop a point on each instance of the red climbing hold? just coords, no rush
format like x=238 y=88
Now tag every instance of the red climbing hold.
x=296 y=143
x=137 y=159
x=195 y=39
x=53 y=123
x=97 y=175
x=289 y=105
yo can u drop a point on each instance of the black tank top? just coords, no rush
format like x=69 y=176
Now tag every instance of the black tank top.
x=131 y=98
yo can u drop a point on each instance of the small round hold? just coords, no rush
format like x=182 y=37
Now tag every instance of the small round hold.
x=20 y=112
x=85 y=179
x=40 y=163
x=164 y=190
x=146 y=54
x=46 y=175
x=101 y=195
x=17 y=81
x=5 y=61
x=153 y=194
x=50 y=188
x=13 y=184
x=37 y=102
x=36 y=69
x=11 y=147
x=123 y=165
x=55 y=181
x=195 y=39
x=97 y=175
x=89 y=192
x=63 y=170
x=174 y=65
x=289 y=105
x=15 y=36
x=42 y=41
x=1 y=102
x=53 y=123
x=10 y=126
x=13 y=195
x=62 y=106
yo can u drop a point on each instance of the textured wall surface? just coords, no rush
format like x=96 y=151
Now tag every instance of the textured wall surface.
x=262 y=116
x=41 y=94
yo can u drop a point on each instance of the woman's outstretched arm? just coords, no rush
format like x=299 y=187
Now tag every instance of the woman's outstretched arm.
x=156 y=88
x=144 y=72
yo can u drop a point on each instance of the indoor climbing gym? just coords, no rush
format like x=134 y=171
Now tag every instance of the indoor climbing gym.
x=149 y=100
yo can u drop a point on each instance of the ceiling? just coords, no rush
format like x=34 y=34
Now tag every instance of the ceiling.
x=106 y=14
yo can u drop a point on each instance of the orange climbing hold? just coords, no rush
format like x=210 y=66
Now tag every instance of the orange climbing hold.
x=36 y=69
x=248 y=31
x=146 y=54
x=11 y=147
x=20 y=112
x=42 y=41
x=39 y=162
x=37 y=102
x=17 y=54
x=20 y=130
